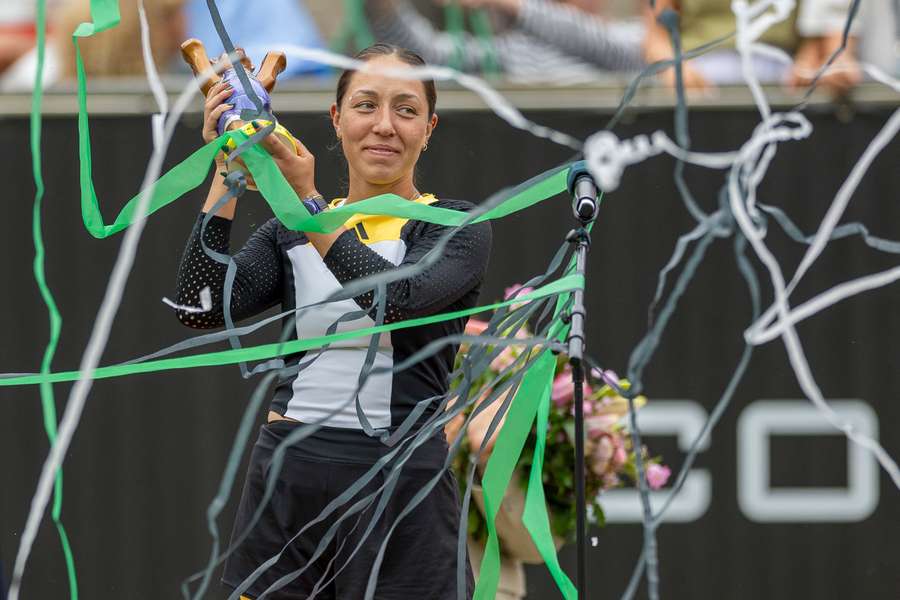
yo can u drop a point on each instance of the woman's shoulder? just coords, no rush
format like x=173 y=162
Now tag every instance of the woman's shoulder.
x=451 y=203
x=461 y=206
x=473 y=233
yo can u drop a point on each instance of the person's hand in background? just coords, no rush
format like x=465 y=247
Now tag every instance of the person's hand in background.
x=843 y=74
x=657 y=47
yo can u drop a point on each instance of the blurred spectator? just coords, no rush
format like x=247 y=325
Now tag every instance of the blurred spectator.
x=328 y=15
x=17 y=31
x=821 y=25
x=809 y=35
x=533 y=41
x=115 y=52
x=879 y=38
x=272 y=25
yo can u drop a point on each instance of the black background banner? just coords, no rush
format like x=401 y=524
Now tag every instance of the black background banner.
x=150 y=451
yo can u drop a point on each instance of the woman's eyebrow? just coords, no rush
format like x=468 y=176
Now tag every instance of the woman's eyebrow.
x=364 y=93
x=403 y=96
x=406 y=96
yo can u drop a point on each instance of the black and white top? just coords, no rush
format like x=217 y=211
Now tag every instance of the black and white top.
x=548 y=41
x=278 y=266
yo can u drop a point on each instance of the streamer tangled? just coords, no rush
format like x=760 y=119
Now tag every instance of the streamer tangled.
x=524 y=395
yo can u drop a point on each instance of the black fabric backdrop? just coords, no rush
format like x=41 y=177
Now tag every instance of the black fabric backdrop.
x=150 y=450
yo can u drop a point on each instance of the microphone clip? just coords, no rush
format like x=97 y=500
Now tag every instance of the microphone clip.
x=579 y=236
x=581 y=186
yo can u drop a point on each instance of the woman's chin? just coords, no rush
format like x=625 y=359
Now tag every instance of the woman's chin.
x=383 y=177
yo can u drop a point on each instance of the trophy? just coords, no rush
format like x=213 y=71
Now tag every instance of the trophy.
x=262 y=82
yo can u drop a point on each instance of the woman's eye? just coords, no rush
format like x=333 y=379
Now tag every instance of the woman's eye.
x=407 y=110
x=366 y=105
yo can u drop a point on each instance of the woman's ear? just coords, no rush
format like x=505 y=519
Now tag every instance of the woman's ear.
x=429 y=129
x=336 y=120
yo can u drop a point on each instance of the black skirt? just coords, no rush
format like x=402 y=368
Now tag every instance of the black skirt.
x=283 y=548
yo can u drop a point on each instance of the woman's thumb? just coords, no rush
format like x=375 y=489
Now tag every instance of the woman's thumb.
x=271 y=144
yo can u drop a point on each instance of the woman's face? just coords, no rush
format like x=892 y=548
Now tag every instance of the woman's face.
x=383 y=124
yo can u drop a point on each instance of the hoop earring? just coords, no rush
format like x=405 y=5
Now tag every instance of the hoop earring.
x=425 y=147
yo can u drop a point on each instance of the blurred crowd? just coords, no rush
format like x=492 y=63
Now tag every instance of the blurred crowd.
x=522 y=41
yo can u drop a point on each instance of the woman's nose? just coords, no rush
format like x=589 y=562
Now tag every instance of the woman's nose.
x=384 y=125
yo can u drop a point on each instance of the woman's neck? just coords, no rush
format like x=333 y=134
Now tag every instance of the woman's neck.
x=360 y=190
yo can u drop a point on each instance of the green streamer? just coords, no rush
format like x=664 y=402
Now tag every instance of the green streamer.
x=267 y=351
x=523 y=410
x=105 y=14
x=192 y=172
x=535 y=517
x=286 y=206
x=48 y=401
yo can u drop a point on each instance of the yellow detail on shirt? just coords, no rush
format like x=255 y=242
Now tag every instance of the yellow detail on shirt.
x=378 y=228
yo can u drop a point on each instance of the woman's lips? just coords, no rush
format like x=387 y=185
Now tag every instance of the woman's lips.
x=382 y=150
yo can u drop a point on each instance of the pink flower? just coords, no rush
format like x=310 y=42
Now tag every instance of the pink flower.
x=503 y=360
x=620 y=457
x=610 y=480
x=602 y=455
x=657 y=475
x=561 y=392
x=475 y=327
x=608 y=376
x=598 y=425
x=516 y=289
x=586 y=405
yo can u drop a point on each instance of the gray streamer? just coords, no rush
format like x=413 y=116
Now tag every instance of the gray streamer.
x=238 y=67
x=643 y=352
x=840 y=232
x=497 y=320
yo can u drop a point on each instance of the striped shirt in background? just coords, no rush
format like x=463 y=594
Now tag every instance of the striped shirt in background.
x=548 y=43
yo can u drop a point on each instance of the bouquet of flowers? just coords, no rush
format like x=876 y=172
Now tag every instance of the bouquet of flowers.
x=610 y=456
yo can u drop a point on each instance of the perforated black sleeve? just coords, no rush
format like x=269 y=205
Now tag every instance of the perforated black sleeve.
x=457 y=271
x=257 y=283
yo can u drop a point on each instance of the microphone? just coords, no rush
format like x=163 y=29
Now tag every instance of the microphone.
x=584 y=192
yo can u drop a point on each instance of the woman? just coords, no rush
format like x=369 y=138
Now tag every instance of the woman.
x=383 y=125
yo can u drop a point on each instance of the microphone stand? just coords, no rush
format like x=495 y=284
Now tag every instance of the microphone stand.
x=584 y=206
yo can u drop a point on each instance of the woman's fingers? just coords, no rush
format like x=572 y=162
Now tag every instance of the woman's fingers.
x=213 y=108
x=217 y=98
x=216 y=88
x=301 y=149
x=210 y=124
x=215 y=113
x=275 y=147
x=271 y=146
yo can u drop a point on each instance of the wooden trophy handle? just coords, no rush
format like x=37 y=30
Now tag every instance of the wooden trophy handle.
x=273 y=64
x=194 y=54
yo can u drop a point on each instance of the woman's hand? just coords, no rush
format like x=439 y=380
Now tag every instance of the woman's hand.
x=481 y=423
x=298 y=169
x=212 y=109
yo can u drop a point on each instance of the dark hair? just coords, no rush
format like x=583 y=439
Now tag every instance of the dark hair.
x=380 y=49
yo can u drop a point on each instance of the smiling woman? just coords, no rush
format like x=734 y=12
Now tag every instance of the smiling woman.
x=382 y=119
x=383 y=123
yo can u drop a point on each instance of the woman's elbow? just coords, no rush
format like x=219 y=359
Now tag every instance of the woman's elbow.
x=195 y=320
